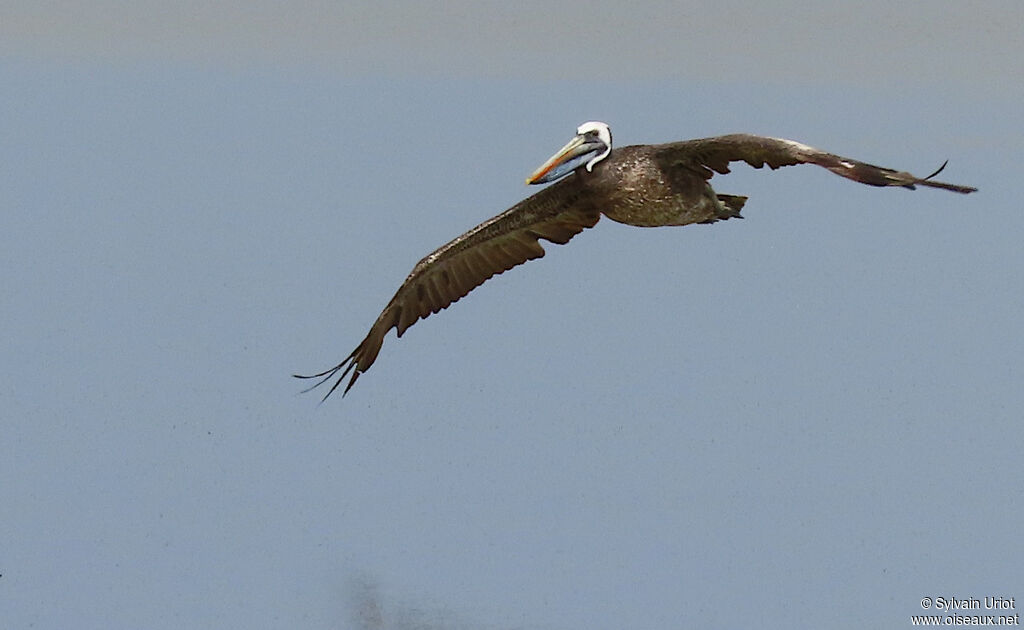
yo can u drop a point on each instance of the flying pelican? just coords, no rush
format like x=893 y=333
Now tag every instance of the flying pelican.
x=642 y=185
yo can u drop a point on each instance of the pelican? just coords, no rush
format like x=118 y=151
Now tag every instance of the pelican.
x=642 y=185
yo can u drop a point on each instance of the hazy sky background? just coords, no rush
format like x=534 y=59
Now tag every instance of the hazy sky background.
x=809 y=417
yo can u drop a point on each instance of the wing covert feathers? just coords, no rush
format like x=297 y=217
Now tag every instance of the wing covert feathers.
x=555 y=214
x=713 y=155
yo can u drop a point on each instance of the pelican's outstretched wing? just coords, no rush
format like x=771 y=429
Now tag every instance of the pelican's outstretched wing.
x=712 y=155
x=555 y=214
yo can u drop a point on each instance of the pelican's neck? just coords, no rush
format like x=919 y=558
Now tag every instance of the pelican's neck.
x=604 y=133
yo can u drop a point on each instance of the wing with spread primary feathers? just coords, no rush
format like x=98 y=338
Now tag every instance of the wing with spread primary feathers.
x=555 y=214
x=712 y=155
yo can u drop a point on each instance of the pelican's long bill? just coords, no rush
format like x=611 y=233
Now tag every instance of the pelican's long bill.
x=578 y=150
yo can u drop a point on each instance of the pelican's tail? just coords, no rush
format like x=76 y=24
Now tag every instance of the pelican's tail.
x=730 y=206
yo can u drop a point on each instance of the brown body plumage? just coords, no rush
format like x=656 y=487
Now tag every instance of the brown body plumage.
x=642 y=185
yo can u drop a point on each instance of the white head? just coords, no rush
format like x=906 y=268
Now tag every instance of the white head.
x=593 y=143
x=604 y=136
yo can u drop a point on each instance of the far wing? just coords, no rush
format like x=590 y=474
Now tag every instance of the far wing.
x=555 y=214
x=712 y=155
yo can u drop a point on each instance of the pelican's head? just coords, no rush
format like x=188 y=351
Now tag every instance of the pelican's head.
x=593 y=143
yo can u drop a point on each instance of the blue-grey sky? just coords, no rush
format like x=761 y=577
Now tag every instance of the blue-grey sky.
x=812 y=416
